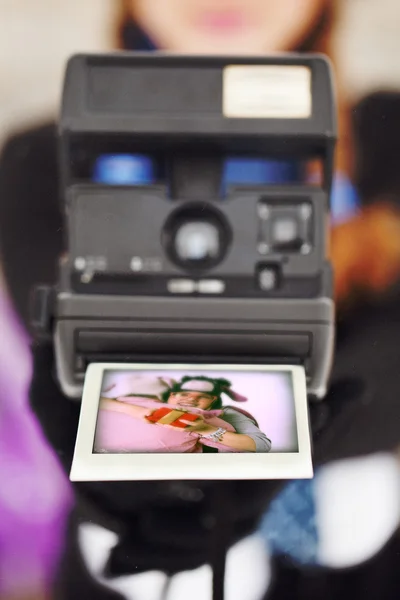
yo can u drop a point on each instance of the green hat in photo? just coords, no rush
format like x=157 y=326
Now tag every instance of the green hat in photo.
x=214 y=386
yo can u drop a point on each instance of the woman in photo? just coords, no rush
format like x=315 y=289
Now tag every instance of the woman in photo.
x=135 y=423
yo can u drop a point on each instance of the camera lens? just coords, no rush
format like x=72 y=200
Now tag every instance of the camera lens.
x=196 y=237
x=197 y=241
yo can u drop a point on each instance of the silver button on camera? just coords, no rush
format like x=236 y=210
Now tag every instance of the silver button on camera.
x=181 y=286
x=211 y=286
x=267 y=278
x=136 y=264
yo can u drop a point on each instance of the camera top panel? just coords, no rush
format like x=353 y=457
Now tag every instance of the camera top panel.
x=212 y=97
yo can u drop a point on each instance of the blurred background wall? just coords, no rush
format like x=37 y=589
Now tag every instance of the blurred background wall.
x=368 y=45
x=36 y=37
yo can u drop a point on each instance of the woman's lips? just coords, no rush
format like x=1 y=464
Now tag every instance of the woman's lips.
x=223 y=21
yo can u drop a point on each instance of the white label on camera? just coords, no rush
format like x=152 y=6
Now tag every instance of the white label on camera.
x=267 y=92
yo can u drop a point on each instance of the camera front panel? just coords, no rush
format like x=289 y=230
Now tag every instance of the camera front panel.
x=255 y=242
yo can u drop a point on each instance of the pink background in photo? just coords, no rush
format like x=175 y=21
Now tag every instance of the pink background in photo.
x=270 y=398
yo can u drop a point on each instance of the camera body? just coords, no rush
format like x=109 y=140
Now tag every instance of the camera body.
x=194 y=261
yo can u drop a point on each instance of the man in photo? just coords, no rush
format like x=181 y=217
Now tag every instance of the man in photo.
x=188 y=416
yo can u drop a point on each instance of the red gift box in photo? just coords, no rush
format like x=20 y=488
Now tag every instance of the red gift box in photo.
x=171 y=416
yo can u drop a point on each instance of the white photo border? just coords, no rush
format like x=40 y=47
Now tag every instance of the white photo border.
x=90 y=466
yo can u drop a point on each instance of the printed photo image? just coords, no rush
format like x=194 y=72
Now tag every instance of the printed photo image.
x=196 y=411
x=197 y=421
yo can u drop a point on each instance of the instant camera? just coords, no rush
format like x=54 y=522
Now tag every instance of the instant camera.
x=187 y=263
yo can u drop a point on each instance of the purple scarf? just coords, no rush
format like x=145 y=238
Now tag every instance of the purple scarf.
x=35 y=497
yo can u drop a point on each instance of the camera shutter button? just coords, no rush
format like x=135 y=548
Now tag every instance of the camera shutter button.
x=267 y=277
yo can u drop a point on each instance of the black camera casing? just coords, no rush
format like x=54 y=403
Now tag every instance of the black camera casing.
x=123 y=296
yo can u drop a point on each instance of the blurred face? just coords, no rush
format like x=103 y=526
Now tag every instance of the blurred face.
x=227 y=26
x=192 y=399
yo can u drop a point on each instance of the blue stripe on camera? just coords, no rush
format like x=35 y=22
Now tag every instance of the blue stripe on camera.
x=124 y=169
